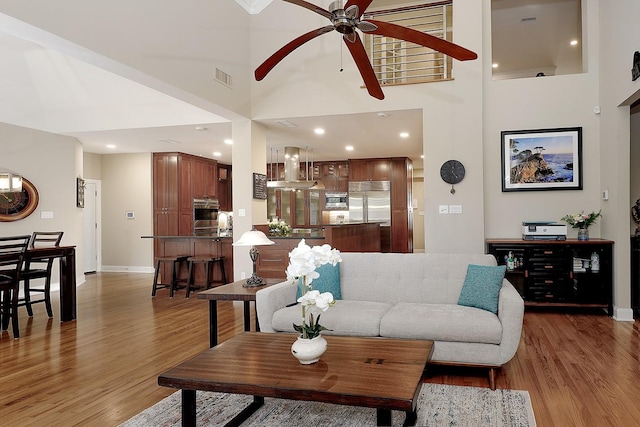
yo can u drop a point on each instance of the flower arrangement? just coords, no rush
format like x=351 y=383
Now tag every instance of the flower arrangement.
x=581 y=220
x=303 y=261
x=279 y=227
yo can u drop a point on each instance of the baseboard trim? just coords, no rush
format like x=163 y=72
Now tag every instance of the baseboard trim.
x=126 y=269
x=623 y=314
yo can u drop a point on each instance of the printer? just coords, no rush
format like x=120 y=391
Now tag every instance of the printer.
x=543 y=230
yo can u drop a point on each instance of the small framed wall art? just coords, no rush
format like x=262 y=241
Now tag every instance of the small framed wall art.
x=542 y=159
x=80 y=186
x=259 y=186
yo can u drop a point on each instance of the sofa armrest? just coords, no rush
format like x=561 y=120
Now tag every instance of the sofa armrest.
x=511 y=315
x=271 y=299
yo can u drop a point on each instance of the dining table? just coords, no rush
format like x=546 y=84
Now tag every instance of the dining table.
x=67 y=257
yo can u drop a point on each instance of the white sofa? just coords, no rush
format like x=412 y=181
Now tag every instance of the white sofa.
x=411 y=296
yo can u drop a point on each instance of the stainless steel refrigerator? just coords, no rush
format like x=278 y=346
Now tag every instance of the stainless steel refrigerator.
x=370 y=201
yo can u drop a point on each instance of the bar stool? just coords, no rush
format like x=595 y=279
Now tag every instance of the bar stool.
x=208 y=265
x=173 y=284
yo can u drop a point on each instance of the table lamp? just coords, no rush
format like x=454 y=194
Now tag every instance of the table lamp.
x=253 y=238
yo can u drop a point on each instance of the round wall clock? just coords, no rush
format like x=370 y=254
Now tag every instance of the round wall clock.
x=18 y=205
x=452 y=172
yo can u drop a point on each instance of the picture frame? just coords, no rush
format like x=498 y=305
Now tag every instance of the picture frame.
x=80 y=186
x=259 y=186
x=541 y=159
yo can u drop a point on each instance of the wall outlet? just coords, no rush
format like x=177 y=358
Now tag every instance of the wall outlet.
x=243 y=275
x=443 y=209
x=46 y=214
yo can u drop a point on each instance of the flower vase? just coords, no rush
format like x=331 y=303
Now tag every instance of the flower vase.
x=583 y=233
x=308 y=351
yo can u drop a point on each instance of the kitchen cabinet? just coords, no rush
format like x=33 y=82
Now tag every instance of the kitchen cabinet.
x=369 y=169
x=559 y=273
x=225 y=189
x=401 y=205
x=334 y=176
x=298 y=208
x=177 y=179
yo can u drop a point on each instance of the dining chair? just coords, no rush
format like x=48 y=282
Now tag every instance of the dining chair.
x=12 y=255
x=39 y=268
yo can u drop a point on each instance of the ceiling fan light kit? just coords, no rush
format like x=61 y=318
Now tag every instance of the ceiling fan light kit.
x=345 y=19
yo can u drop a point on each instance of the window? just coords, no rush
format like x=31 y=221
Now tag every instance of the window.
x=399 y=62
x=536 y=38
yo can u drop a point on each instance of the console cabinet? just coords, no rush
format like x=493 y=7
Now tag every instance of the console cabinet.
x=559 y=273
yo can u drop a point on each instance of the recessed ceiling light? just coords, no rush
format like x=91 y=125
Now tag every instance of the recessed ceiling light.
x=217 y=153
x=201 y=129
x=318 y=131
x=404 y=134
x=111 y=146
x=228 y=141
x=422 y=156
x=495 y=65
x=573 y=42
x=170 y=141
x=349 y=148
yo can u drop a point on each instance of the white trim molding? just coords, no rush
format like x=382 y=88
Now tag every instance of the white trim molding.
x=253 y=6
x=623 y=314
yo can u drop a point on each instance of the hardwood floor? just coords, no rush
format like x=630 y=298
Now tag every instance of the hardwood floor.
x=581 y=369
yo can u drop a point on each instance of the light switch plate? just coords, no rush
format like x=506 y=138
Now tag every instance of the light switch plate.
x=443 y=209
x=46 y=214
x=455 y=209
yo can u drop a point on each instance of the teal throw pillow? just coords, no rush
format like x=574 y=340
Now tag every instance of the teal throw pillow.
x=481 y=288
x=329 y=281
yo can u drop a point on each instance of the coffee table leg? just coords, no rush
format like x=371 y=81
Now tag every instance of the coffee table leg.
x=213 y=323
x=384 y=417
x=237 y=421
x=247 y=316
x=189 y=408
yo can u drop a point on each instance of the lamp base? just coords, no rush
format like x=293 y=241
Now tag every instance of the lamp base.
x=254 y=281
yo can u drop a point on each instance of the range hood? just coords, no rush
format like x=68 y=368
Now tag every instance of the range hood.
x=292 y=172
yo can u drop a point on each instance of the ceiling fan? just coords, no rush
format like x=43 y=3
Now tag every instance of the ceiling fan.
x=346 y=20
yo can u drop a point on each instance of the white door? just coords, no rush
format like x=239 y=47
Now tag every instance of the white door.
x=90 y=227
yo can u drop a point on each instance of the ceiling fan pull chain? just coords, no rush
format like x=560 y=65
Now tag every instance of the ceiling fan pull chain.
x=341 y=69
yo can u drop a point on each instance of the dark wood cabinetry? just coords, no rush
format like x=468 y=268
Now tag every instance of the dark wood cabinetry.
x=225 y=188
x=401 y=209
x=369 y=169
x=177 y=179
x=559 y=273
x=335 y=176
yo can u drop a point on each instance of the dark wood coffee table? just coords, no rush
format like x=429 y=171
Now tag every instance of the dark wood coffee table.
x=372 y=372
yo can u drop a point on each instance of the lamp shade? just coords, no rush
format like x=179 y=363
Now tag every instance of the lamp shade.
x=253 y=238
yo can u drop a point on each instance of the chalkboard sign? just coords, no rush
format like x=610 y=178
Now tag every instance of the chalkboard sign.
x=259 y=186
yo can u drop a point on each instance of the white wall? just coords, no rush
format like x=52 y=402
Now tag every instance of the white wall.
x=127 y=186
x=51 y=163
x=308 y=82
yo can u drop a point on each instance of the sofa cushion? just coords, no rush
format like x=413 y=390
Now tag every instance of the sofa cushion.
x=355 y=318
x=481 y=287
x=329 y=281
x=441 y=322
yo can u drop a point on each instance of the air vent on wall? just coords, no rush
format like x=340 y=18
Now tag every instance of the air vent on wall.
x=223 y=77
x=528 y=20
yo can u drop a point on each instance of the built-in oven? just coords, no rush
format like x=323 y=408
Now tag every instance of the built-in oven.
x=336 y=200
x=205 y=217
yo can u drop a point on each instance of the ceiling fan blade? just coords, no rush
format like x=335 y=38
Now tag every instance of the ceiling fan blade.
x=362 y=5
x=366 y=70
x=312 y=7
x=352 y=12
x=366 y=26
x=274 y=59
x=423 y=39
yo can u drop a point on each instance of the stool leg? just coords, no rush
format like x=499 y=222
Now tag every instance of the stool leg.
x=155 y=280
x=224 y=276
x=207 y=275
x=189 y=278
x=173 y=283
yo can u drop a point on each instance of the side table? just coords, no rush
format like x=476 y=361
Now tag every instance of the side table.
x=232 y=292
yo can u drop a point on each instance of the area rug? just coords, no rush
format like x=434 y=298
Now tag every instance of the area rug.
x=438 y=405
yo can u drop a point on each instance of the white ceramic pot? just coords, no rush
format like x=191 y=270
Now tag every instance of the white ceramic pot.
x=308 y=351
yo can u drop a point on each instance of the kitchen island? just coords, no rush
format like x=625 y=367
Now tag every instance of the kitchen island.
x=349 y=237
x=200 y=246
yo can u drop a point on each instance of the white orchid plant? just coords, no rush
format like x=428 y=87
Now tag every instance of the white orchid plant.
x=303 y=261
